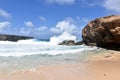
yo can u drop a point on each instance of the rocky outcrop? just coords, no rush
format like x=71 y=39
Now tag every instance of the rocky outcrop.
x=79 y=43
x=68 y=42
x=103 y=32
x=71 y=42
x=14 y=38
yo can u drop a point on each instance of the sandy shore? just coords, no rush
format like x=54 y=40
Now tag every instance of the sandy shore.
x=98 y=67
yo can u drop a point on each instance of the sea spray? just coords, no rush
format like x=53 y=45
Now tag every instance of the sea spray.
x=62 y=37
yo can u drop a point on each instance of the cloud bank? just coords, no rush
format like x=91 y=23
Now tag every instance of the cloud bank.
x=112 y=5
x=4 y=25
x=66 y=25
x=29 y=24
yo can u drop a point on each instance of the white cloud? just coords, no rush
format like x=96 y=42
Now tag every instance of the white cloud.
x=61 y=1
x=42 y=28
x=4 y=25
x=112 y=5
x=25 y=31
x=64 y=26
x=29 y=24
x=42 y=18
x=5 y=14
x=67 y=27
x=38 y=32
x=66 y=30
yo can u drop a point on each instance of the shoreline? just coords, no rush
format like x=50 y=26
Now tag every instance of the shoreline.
x=103 y=66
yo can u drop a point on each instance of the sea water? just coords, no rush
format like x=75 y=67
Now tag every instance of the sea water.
x=26 y=54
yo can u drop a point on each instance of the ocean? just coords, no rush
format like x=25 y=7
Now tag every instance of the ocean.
x=27 y=54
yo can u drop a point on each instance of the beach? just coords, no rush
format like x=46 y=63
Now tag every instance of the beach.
x=104 y=66
x=60 y=40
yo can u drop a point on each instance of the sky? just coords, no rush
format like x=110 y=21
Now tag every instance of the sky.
x=45 y=18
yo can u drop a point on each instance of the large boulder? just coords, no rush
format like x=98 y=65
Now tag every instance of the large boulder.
x=103 y=32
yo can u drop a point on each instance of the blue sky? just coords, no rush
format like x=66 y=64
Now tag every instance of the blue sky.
x=45 y=18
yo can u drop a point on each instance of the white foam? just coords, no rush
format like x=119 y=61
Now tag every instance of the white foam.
x=33 y=46
x=62 y=37
x=18 y=50
x=29 y=41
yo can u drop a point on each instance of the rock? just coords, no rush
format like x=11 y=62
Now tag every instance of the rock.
x=71 y=42
x=68 y=42
x=79 y=43
x=103 y=32
x=14 y=38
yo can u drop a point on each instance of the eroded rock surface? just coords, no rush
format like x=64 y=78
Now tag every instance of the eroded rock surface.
x=103 y=32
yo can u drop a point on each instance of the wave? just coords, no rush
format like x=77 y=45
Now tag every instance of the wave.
x=33 y=47
x=62 y=37
x=28 y=41
x=54 y=40
x=36 y=47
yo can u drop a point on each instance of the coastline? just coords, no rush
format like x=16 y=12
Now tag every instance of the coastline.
x=103 y=66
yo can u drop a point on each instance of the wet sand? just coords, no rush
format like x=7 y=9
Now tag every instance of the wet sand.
x=96 y=67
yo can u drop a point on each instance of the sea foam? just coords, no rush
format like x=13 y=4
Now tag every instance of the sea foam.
x=33 y=47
